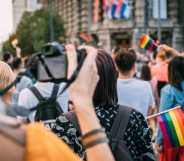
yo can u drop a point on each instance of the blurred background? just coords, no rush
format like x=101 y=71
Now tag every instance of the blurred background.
x=163 y=20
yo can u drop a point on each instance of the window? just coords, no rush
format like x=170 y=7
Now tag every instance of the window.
x=163 y=9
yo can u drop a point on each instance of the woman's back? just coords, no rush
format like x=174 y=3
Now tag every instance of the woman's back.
x=136 y=137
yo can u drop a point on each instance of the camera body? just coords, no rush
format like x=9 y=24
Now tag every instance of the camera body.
x=53 y=63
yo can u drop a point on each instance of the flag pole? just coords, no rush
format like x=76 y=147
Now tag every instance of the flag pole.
x=157 y=114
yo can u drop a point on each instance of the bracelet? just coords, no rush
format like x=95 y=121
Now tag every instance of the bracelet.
x=93 y=132
x=95 y=142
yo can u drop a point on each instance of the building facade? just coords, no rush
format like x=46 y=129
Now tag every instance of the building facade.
x=20 y=6
x=82 y=15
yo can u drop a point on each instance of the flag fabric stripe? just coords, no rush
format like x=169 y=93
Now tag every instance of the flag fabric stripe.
x=172 y=137
x=123 y=9
x=104 y=3
x=144 y=40
x=164 y=132
x=110 y=8
x=111 y=2
x=150 y=48
x=172 y=125
x=118 y=8
x=173 y=130
x=148 y=44
x=181 y=116
x=177 y=127
x=113 y=10
x=96 y=11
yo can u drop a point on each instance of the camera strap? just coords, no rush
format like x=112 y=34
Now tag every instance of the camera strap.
x=3 y=91
x=42 y=60
x=73 y=77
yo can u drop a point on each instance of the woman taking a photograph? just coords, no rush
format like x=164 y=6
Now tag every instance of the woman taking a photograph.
x=21 y=143
x=136 y=137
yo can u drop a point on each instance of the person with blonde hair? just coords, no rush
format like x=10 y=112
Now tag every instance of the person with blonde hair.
x=7 y=77
x=160 y=70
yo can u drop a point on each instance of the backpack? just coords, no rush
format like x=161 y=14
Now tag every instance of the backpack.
x=48 y=109
x=116 y=135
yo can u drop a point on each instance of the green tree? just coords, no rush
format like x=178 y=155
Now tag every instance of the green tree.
x=33 y=30
x=7 y=46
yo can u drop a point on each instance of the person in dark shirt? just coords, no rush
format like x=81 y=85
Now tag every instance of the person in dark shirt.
x=137 y=135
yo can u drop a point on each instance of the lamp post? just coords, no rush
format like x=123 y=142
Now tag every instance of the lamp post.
x=159 y=35
x=146 y=4
x=89 y=15
x=51 y=25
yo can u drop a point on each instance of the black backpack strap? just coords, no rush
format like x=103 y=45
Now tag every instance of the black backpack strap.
x=120 y=124
x=55 y=91
x=54 y=95
x=37 y=94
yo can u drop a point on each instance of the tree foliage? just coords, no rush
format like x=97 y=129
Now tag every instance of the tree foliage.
x=7 y=46
x=33 y=31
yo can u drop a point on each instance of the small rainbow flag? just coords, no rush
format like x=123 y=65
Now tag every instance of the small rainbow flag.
x=147 y=43
x=172 y=127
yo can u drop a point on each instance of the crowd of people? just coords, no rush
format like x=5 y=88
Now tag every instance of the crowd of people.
x=103 y=115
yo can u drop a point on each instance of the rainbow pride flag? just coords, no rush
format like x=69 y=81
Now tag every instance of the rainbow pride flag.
x=147 y=43
x=172 y=126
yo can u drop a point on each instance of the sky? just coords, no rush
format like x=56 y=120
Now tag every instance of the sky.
x=6 y=22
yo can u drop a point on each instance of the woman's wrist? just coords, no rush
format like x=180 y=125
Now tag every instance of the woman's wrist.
x=87 y=118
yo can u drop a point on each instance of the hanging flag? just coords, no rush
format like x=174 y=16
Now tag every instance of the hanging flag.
x=125 y=10
x=172 y=127
x=96 y=11
x=109 y=8
x=114 y=9
x=104 y=4
x=118 y=9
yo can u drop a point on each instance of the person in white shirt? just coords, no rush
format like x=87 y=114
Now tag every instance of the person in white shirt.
x=132 y=92
x=28 y=100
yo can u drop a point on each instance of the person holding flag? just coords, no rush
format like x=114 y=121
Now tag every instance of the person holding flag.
x=170 y=136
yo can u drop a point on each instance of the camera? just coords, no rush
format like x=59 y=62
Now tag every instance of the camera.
x=53 y=63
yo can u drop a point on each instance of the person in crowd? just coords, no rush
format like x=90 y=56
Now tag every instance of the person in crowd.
x=6 y=78
x=146 y=73
x=25 y=81
x=138 y=93
x=136 y=137
x=19 y=145
x=146 y=76
x=172 y=95
x=114 y=51
x=160 y=69
x=7 y=58
x=9 y=98
x=28 y=100
x=31 y=68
